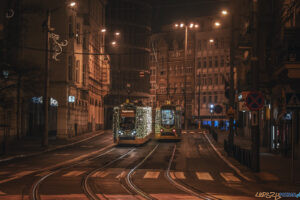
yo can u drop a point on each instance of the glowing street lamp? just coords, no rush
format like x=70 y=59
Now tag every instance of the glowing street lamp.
x=224 y=12
x=117 y=33
x=217 y=24
x=211 y=40
x=114 y=43
x=72 y=4
x=181 y=25
x=103 y=30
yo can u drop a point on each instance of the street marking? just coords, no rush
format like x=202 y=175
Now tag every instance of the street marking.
x=266 y=176
x=100 y=174
x=204 y=176
x=2 y=193
x=151 y=175
x=121 y=175
x=23 y=173
x=177 y=175
x=43 y=173
x=86 y=146
x=73 y=173
x=65 y=162
x=167 y=196
x=62 y=154
x=229 y=177
x=227 y=161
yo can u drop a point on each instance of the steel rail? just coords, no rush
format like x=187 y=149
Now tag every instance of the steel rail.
x=85 y=185
x=35 y=188
x=129 y=177
x=182 y=186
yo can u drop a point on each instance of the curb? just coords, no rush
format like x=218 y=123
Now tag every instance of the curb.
x=50 y=149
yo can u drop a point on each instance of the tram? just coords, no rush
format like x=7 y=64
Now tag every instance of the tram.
x=132 y=124
x=168 y=122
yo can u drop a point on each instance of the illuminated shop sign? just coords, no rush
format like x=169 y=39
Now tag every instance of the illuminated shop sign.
x=71 y=99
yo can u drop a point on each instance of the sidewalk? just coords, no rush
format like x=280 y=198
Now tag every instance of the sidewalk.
x=273 y=167
x=31 y=146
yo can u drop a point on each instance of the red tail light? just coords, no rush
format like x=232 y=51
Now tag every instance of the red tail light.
x=174 y=131
x=161 y=130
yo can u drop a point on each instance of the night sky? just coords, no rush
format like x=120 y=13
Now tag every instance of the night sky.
x=168 y=11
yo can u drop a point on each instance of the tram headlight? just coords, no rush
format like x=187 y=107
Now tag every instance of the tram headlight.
x=161 y=130
x=133 y=132
x=174 y=130
x=120 y=132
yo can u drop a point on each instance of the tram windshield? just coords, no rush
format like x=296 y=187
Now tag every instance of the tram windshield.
x=127 y=119
x=168 y=117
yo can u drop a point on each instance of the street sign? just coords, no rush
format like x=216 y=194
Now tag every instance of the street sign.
x=255 y=101
x=292 y=100
x=218 y=109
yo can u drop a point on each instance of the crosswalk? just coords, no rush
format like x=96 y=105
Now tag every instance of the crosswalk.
x=118 y=174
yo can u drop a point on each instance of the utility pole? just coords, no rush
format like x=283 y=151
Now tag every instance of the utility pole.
x=199 y=101
x=185 y=68
x=231 y=81
x=255 y=74
x=46 y=86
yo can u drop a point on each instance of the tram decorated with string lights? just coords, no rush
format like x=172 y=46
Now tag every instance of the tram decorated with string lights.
x=168 y=122
x=132 y=124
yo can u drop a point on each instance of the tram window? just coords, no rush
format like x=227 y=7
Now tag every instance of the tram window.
x=127 y=119
x=168 y=117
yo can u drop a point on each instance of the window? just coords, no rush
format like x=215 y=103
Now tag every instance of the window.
x=83 y=74
x=209 y=99
x=210 y=61
x=204 y=62
x=199 y=45
x=216 y=43
x=77 y=71
x=199 y=63
x=70 y=67
x=71 y=31
x=222 y=43
x=84 y=41
x=216 y=61
x=222 y=61
x=78 y=33
x=216 y=79
x=204 y=99
x=216 y=99
x=204 y=44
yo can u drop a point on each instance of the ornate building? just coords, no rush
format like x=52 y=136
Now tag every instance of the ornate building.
x=78 y=79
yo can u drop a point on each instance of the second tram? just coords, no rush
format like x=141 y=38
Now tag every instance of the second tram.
x=168 y=122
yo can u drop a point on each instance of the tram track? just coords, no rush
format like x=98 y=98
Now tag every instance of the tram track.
x=35 y=195
x=89 y=192
x=130 y=174
x=183 y=186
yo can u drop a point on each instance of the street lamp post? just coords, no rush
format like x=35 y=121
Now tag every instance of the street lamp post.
x=199 y=101
x=46 y=86
x=191 y=26
x=57 y=51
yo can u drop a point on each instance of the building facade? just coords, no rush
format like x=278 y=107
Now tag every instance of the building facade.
x=274 y=40
x=78 y=73
x=200 y=80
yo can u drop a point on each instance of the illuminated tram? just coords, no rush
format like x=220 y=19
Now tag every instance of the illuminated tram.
x=132 y=124
x=168 y=122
